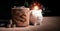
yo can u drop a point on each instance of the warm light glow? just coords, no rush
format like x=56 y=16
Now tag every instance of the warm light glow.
x=35 y=8
x=36 y=11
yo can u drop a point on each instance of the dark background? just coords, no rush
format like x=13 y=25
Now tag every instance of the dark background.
x=6 y=5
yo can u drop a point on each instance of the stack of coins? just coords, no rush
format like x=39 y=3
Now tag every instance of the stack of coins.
x=20 y=16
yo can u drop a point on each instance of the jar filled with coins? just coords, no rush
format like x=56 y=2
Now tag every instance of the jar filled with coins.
x=20 y=16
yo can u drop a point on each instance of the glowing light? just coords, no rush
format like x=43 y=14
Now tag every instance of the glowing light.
x=36 y=11
x=28 y=9
x=36 y=8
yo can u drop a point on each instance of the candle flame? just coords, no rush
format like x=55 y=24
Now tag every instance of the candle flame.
x=36 y=8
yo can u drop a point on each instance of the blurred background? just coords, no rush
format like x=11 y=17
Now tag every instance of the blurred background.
x=6 y=5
